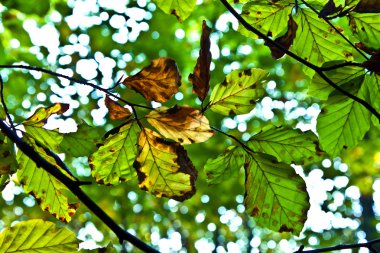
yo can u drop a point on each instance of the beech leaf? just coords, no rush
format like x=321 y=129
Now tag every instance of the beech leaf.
x=179 y=8
x=37 y=236
x=157 y=82
x=238 y=93
x=163 y=167
x=7 y=156
x=183 y=124
x=116 y=111
x=41 y=115
x=201 y=75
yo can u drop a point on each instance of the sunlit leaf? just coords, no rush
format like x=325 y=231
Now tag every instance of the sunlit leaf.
x=82 y=142
x=224 y=166
x=238 y=93
x=366 y=27
x=275 y=196
x=183 y=124
x=159 y=81
x=7 y=156
x=269 y=17
x=116 y=111
x=163 y=167
x=343 y=122
x=321 y=89
x=113 y=161
x=179 y=8
x=317 y=42
x=287 y=145
x=41 y=115
x=201 y=75
x=37 y=236
x=49 y=192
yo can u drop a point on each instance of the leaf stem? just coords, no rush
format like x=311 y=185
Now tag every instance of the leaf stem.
x=317 y=69
x=52 y=73
x=368 y=245
x=75 y=189
x=336 y=29
x=246 y=148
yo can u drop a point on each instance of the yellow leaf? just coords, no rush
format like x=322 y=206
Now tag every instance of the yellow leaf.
x=159 y=81
x=41 y=115
x=183 y=124
x=163 y=167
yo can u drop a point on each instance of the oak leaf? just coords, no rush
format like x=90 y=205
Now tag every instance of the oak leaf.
x=163 y=167
x=201 y=75
x=183 y=124
x=116 y=111
x=158 y=82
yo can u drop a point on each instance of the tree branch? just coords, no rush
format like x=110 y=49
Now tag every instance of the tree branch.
x=75 y=189
x=368 y=245
x=5 y=105
x=317 y=69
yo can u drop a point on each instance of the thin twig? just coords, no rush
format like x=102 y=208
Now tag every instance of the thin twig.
x=336 y=29
x=75 y=189
x=73 y=80
x=317 y=69
x=367 y=245
x=246 y=148
x=5 y=105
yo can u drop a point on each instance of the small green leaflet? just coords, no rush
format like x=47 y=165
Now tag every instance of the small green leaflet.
x=343 y=122
x=7 y=156
x=48 y=191
x=366 y=27
x=179 y=8
x=163 y=167
x=37 y=236
x=80 y=143
x=321 y=89
x=113 y=161
x=275 y=196
x=2 y=113
x=317 y=42
x=287 y=145
x=225 y=165
x=238 y=93
x=270 y=18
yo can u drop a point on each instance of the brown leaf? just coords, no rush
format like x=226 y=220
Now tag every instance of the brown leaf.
x=201 y=75
x=183 y=124
x=159 y=81
x=286 y=40
x=368 y=6
x=373 y=64
x=116 y=111
x=367 y=50
x=329 y=9
x=163 y=167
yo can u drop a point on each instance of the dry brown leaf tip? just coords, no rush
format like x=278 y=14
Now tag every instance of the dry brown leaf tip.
x=116 y=111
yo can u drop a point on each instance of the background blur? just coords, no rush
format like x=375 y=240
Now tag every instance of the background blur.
x=101 y=40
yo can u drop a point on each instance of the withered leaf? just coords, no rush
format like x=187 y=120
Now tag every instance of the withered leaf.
x=329 y=9
x=201 y=75
x=163 y=167
x=159 y=81
x=42 y=114
x=368 y=6
x=116 y=111
x=183 y=124
x=286 y=40
x=373 y=64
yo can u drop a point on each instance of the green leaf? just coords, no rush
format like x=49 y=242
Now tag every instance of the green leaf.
x=287 y=145
x=49 y=192
x=113 y=161
x=321 y=89
x=7 y=156
x=366 y=27
x=224 y=166
x=2 y=113
x=270 y=18
x=163 y=167
x=275 y=196
x=37 y=7
x=343 y=122
x=82 y=142
x=179 y=8
x=37 y=236
x=238 y=93
x=317 y=42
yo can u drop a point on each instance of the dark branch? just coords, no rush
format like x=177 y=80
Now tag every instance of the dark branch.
x=74 y=188
x=5 y=105
x=368 y=245
x=317 y=69
x=75 y=80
